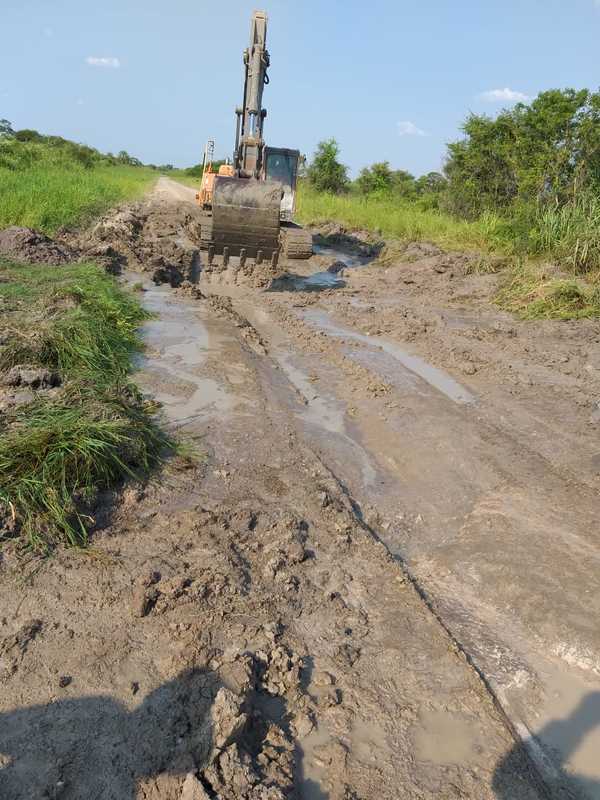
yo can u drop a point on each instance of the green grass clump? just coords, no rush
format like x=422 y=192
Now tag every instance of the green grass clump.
x=58 y=452
x=532 y=294
x=47 y=196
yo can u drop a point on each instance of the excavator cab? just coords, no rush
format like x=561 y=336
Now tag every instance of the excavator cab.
x=281 y=165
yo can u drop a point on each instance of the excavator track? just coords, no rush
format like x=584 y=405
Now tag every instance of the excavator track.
x=296 y=243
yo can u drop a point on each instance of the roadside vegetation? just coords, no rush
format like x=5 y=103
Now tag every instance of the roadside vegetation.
x=192 y=176
x=47 y=182
x=525 y=184
x=60 y=447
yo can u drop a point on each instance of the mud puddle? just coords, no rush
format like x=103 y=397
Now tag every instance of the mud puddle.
x=325 y=415
x=179 y=343
x=330 y=278
x=431 y=375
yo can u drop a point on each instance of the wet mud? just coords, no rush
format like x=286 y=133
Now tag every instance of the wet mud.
x=333 y=599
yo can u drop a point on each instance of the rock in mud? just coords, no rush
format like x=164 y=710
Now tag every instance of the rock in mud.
x=35 y=378
x=32 y=247
x=336 y=267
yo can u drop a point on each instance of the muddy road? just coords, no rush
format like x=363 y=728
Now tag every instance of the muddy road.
x=380 y=581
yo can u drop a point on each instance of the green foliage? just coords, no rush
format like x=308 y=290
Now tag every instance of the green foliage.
x=542 y=153
x=402 y=219
x=47 y=182
x=531 y=294
x=131 y=161
x=380 y=179
x=55 y=454
x=570 y=232
x=326 y=173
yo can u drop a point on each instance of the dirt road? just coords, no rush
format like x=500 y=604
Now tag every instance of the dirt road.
x=381 y=580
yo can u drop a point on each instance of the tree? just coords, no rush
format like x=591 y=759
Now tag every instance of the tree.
x=431 y=183
x=543 y=152
x=124 y=158
x=28 y=135
x=377 y=178
x=326 y=173
x=6 y=129
x=403 y=184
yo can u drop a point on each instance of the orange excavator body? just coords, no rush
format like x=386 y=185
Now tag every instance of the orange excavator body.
x=205 y=196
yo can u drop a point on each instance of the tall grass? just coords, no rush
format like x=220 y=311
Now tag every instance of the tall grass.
x=570 y=233
x=57 y=452
x=47 y=195
x=400 y=219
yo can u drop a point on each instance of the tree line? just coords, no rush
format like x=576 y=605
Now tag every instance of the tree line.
x=18 y=150
x=543 y=153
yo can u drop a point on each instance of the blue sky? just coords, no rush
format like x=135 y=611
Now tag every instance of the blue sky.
x=390 y=80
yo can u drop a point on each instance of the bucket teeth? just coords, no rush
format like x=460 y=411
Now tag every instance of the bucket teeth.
x=217 y=265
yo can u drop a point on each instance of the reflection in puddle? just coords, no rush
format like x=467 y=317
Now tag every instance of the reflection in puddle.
x=324 y=279
x=179 y=344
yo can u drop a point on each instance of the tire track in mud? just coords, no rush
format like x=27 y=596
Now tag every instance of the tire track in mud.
x=324 y=670
x=549 y=783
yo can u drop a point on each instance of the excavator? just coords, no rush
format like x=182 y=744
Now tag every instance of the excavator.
x=249 y=204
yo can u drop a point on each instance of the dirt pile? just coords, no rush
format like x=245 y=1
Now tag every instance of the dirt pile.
x=333 y=234
x=32 y=247
x=153 y=236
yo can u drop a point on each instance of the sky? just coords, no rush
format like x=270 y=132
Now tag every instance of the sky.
x=389 y=79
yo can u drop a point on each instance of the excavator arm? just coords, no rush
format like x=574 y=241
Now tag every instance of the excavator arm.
x=253 y=199
x=249 y=140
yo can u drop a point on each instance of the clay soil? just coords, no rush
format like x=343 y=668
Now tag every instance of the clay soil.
x=350 y=591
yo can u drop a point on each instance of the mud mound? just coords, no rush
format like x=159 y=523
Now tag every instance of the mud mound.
x=332 y=234
x=157 y=237
x=33 y=247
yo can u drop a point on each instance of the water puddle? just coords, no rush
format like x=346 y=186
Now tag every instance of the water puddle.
x=178 y=344
x=568 y=725
x=324 y=279
x=432 y=375
x=325 y=413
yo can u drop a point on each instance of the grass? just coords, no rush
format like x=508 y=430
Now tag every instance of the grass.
x=569 y=236
x=180 y=176
x=531 y=293
x=47 y=196
x=59 y=451
x=402 y=220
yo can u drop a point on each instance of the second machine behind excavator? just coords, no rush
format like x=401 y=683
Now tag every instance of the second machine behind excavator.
x=249 y=204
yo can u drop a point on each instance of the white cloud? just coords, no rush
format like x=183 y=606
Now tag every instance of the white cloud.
x=109 y=62
x=504 y=96
x=407 y=128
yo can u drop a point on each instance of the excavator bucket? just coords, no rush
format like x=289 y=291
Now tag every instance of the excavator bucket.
x=245 y=216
